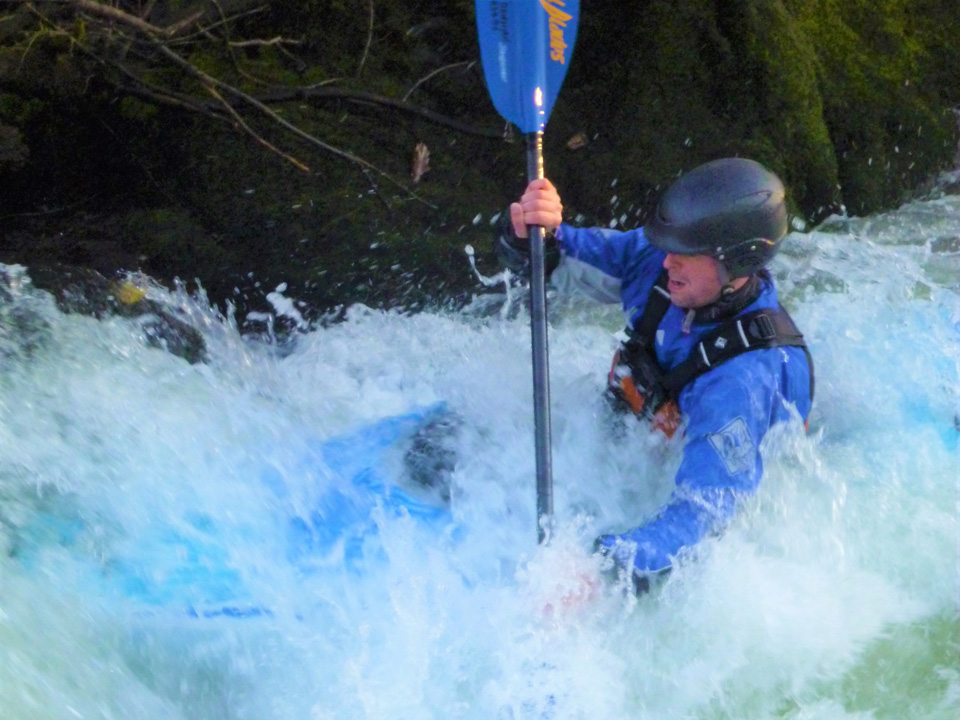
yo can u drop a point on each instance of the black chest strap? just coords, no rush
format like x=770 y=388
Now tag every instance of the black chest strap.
x=756 y=330
x=760 y=329
x=658 y=302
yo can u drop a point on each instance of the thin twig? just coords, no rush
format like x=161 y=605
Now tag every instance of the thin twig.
x=151 y=91
x=158 y=39
x=175 y=29
x=113 y=13
x=226 y=30
x=229 y=45
x=469 y=64
x=144 y=14
x=322 y=92
x=208 y=85
x=264 y=43
x=366 y=50
x=146 y=89
x=376 y=189
x=108 y=11
x=147 y=9
x=225 y=21
x=34 y=37
x=255 y=135
x=300 y=64
x=162 y=98
x=250 y=100
x=53 y=211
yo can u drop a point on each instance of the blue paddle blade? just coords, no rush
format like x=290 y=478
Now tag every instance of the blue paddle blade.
x=525 y=47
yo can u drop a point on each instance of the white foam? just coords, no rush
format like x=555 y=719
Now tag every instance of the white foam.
x=852 y=536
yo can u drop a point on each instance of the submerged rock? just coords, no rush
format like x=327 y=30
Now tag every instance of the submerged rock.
x=87 y=292
x=24 y=328
x=852 y=105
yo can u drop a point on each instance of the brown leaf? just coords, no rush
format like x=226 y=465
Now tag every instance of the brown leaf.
x=577 y=141
x=421 y=162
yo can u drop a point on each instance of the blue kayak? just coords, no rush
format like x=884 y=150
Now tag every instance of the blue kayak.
x=188 y=568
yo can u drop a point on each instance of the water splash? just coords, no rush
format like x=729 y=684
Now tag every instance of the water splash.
x=834 y=595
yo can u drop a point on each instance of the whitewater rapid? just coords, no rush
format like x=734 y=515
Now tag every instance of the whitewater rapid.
x=835 y=594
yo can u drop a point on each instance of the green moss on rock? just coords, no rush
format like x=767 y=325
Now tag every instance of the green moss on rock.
x=848 y=100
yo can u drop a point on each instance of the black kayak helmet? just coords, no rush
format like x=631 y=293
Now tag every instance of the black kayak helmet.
x=731 y=209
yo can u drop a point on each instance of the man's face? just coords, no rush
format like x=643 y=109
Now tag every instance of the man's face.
x=694 y=280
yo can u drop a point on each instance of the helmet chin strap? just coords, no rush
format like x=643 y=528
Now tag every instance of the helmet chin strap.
x=729 y=285
x=726 y=282
x=735 y=295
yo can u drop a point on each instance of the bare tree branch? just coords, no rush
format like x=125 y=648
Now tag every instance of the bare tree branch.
x=230 y=48
x=140 y=88
x=110 y=31
x=250 y=100
x=360 y=96
x=114 y=13
x=239 y=121
x=108 y=11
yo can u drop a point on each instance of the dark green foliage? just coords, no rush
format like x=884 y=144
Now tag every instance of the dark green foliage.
x=849 y=100
x=889 y=120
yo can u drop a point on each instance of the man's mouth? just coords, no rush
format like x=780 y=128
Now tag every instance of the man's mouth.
x=674 y=284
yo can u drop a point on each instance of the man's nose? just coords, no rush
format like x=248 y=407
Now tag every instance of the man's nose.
x=671 y=261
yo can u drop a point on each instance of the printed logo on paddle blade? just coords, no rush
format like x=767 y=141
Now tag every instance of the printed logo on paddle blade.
x=526 y=47
x=558 y=21
x=734 y=445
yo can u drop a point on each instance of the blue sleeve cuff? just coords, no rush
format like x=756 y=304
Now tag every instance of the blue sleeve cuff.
x=654 y=546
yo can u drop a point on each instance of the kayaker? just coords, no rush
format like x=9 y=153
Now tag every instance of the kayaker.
x=709 y=350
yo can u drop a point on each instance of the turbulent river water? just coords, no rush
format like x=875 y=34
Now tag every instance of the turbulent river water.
x=835 y=594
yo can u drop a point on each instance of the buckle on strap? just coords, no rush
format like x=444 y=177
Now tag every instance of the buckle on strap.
x=762 y=327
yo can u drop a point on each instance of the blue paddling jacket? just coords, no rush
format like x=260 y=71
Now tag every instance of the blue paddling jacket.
x=728 y=409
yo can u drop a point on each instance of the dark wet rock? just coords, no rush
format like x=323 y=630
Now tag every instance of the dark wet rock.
x=24 y=329
x=13 y=151
x=853 y=107
x=175 y=336
x=87 y=292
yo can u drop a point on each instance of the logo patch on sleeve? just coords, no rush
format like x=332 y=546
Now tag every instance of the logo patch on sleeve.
x=734 y=445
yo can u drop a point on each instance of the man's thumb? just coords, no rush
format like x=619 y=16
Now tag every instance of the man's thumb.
x=516 y=217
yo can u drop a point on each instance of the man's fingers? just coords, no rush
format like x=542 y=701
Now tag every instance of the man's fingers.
x=542 y=184
x=544 y=211
x=540 y=205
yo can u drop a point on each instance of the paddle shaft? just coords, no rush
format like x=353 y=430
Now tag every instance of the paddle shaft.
x=541 y=368
x=525 y=48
